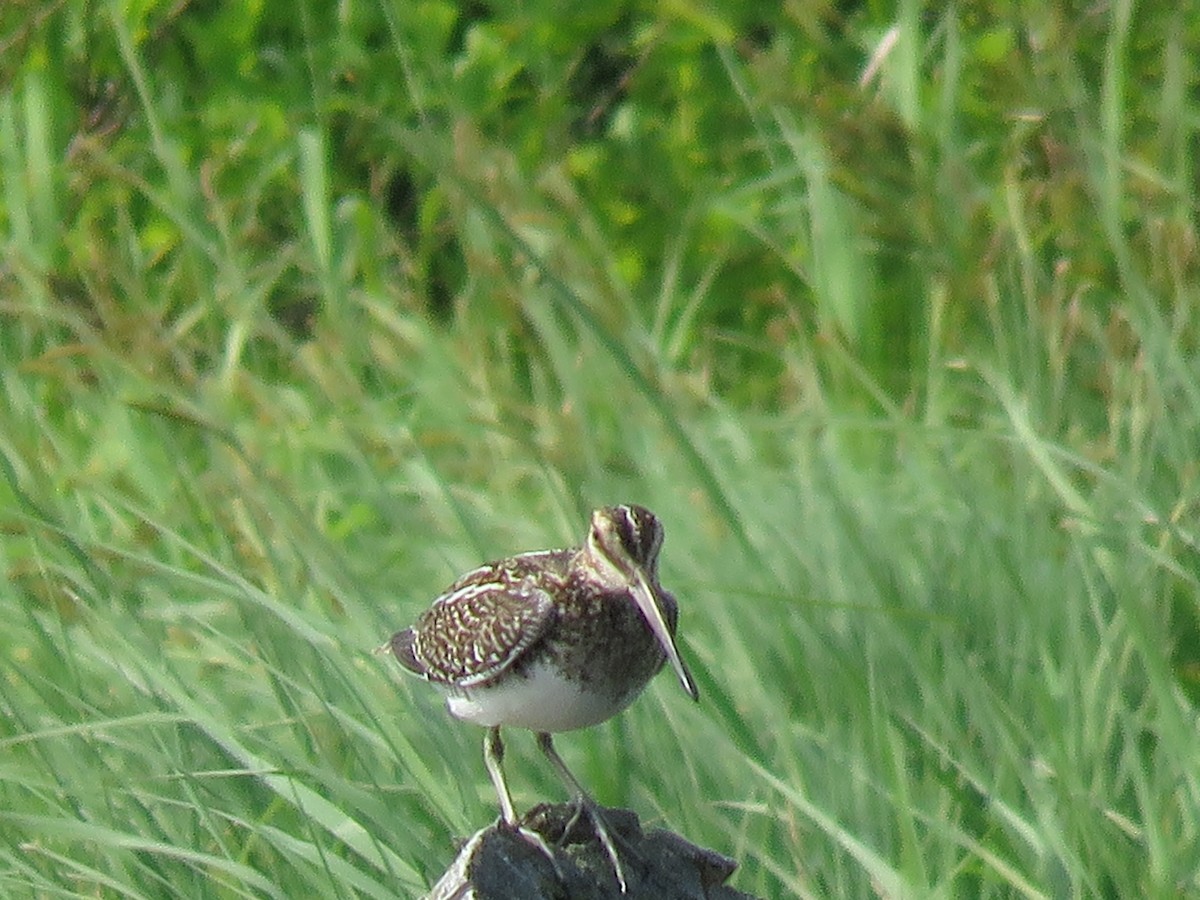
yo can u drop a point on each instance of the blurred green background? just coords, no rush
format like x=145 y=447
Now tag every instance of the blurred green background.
x=888 y=310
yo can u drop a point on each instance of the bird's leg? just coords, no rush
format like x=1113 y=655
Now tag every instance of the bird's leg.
x=583 y=801
x=493 y=756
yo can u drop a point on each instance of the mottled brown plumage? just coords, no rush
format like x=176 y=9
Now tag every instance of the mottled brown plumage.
x=485 y=621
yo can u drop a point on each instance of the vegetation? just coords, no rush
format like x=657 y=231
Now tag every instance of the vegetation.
x=888 y=311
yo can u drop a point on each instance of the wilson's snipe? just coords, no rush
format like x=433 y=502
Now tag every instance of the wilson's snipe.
x=552 y=641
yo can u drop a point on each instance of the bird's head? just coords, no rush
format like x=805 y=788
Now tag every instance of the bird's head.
x=622 y=545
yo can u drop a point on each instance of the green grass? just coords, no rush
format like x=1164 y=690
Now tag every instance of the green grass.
x=303 y=315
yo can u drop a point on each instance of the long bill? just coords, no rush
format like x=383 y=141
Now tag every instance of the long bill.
x=647 y=601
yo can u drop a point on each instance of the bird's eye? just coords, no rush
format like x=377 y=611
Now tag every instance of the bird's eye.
x=628 y=532
x=640 y=534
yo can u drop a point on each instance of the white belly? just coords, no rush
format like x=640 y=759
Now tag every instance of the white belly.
x=539 y=699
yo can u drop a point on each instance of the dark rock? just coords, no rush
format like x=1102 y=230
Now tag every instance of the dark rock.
x=504 y=863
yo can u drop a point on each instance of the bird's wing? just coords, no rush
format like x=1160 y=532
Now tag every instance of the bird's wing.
x=475 y=631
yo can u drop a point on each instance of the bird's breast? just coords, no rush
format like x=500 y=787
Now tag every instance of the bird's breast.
x=541 y=698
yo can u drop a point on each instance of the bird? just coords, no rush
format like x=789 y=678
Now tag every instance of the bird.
x=552 y=641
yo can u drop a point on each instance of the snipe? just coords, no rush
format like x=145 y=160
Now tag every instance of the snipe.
x=552 y=641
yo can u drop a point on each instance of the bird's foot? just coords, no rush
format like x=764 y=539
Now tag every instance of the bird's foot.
x=533 y=838
x=583 y=804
